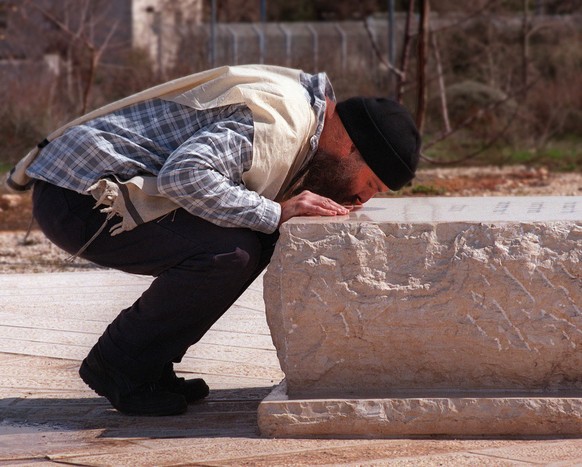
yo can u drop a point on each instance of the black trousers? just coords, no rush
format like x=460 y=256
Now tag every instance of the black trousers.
x=200 y=270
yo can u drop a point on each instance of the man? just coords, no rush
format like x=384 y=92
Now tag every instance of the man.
x=202 y=171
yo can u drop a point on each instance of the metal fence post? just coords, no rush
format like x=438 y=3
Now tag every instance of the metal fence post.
x=261 y=33
x=213 y=34
x=288 y=39
x=234 y=45
x=344 y=39
x=315 y=46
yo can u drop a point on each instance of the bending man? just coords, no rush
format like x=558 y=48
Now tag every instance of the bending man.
x=194 y=178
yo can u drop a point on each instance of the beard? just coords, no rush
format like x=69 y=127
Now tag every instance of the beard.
x=329 y=176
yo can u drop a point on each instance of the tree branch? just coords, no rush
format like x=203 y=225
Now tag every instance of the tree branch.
x=470 y=120
x=378 y=52
x=422 y=55
x=405 y=51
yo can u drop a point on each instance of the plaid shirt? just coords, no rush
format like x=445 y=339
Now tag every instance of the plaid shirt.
x=198 y=156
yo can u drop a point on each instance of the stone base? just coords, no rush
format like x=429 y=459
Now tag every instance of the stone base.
x=475 y=414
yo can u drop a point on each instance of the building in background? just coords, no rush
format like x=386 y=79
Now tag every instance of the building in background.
x=31 y=30
x=154 y=25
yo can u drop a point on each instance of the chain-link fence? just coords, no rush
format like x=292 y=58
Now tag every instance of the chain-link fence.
x=350 y=52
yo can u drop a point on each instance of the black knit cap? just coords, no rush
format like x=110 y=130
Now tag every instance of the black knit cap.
x=385 y=135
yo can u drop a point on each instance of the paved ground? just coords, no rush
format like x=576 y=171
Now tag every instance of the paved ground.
x=48 y=416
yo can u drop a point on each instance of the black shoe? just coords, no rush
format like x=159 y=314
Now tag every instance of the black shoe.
x=148 y=399
x=191 y=389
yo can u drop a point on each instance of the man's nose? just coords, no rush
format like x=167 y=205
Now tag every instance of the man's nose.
x=365 y=195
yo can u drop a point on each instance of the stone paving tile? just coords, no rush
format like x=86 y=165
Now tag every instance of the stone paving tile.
x=26 y=323
x=262 y=452
x=28 y=338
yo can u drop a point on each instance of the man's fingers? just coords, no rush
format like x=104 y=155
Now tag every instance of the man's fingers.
x=320 y=205
x=335 y=208
x=331 y=205
x=311 y=204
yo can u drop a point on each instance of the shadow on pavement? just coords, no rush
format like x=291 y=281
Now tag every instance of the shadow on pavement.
x=225 y=413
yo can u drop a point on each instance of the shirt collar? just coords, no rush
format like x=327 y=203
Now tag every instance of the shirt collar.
x=318 y=87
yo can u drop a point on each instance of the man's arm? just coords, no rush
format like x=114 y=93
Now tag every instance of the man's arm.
x=204 y=176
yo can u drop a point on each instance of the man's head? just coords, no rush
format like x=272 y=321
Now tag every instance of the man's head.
x=367 y=146
x=346 y=180
x=385 y=135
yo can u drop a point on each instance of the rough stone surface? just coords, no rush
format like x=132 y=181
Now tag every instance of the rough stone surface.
x=455 y=316
x=398 y=296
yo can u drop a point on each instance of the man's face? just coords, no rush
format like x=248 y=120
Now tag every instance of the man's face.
x=346 y=180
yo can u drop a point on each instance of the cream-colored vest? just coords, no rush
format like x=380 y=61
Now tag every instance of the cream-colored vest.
x=283 y=125
x=283 y=118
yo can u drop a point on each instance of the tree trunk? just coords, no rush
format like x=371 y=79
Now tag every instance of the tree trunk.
x=401 y=80
x=525 y=49
x=423 y=31
x=441 y=82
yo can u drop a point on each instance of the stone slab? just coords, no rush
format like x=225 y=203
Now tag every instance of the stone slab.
x=409 y=297
x=479 y=414
x=459 y=209
x=396 y=296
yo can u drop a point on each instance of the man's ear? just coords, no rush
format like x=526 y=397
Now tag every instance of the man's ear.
x=334 y=138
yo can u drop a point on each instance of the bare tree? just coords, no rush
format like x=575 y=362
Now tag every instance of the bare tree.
x=441 y=82
x=526 y=27
x=406 y=46
x=83 y=39
x=423 y=34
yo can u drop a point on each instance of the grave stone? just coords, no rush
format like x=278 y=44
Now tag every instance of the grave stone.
x=424 y=316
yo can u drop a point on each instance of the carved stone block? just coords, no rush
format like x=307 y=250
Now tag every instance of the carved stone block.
x=418 y=295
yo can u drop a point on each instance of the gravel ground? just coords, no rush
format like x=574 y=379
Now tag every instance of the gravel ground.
x=20 y=253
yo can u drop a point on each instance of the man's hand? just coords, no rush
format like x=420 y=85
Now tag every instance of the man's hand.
x=307 y=203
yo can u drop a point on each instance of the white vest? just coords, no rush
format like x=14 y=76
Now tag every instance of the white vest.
x=282 y=115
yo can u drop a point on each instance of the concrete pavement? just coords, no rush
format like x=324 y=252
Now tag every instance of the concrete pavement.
x=48 y=322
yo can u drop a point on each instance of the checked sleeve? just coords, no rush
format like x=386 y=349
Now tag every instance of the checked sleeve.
x=204 y=176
